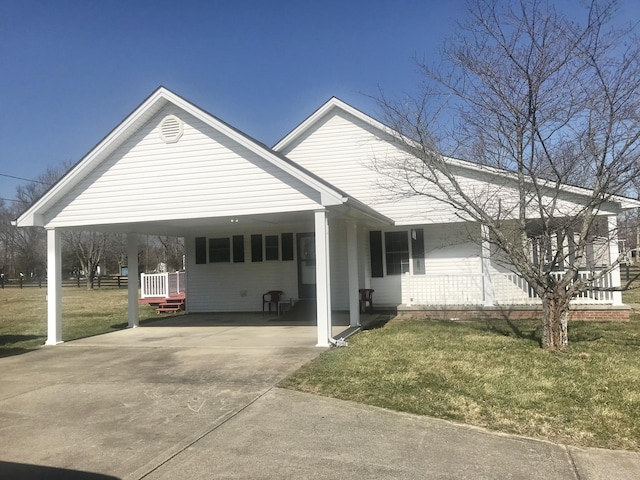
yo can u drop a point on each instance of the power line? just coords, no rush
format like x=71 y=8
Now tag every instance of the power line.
x=25 y=179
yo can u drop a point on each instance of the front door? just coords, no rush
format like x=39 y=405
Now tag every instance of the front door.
x=306 y=265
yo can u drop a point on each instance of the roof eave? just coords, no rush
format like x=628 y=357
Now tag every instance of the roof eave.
x=368 y=211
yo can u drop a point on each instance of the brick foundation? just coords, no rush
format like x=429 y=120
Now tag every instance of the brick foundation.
x=596 y=313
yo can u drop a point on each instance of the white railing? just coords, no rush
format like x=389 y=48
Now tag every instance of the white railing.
x=512 y=289
x=508 y=289
x=161 y=285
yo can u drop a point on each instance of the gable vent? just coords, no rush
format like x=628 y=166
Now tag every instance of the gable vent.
x=171 y=129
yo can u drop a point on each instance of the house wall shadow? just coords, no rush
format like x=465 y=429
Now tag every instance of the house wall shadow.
x=25 y=471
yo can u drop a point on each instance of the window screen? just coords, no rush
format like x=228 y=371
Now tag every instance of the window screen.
x=219 y=250
x=271 y=247
x=397 y=252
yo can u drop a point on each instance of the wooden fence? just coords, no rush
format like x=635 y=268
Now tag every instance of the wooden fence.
x=115 y=281
x=630 y=273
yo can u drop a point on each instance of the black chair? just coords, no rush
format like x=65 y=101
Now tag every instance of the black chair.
x=366 y=300
x=272 y=297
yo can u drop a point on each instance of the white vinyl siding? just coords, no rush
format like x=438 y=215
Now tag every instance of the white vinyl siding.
x=236 y=287
x=203 y=175
x=229 y=287
x=344 y=149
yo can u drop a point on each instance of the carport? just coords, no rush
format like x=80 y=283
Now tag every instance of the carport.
x=170 y=168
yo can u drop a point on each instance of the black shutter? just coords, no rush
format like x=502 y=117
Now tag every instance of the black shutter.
x=201 y=250
x=256 y=248
x=375 y=248
x=238 y=248
x=287 y=246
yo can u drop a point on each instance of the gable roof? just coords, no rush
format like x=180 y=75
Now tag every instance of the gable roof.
x=154 y=103
x=335 y=103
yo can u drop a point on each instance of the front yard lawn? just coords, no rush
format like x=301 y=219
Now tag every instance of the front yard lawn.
x=494 y=375
x=23 y=317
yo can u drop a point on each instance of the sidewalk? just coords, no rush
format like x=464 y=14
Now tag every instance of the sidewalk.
x=286 y=434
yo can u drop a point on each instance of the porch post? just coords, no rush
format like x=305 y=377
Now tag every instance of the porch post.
x=354 y=281
x=323 y=282
x=487 y=283
x=132 y=265
x=614 y=254
x=54 y=287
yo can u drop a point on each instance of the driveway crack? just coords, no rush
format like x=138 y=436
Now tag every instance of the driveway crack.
x=148 y=470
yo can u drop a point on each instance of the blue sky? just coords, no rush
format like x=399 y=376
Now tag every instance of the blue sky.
x=72 y=70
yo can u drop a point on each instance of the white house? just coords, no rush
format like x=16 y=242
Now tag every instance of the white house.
x=307 y=217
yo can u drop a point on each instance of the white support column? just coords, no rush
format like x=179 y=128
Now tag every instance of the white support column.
x=487 y=283
x=132 y=265
x=54 y=287
x=614 y=253
x=327 y=246
x=354 y=280
x=323 y=282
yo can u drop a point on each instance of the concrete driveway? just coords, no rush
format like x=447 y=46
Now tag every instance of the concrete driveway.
x=125 y=402
x=199 y=402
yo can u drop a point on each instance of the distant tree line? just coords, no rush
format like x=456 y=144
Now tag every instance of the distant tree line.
x=23 y=251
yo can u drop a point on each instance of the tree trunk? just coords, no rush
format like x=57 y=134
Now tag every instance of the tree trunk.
x=554 y=323
x=91 y=276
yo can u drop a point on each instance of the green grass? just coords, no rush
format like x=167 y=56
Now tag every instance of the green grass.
x=494 y=375
x=23 y=321
x=632 y=295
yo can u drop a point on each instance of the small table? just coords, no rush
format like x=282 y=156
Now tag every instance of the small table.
x=284 y=306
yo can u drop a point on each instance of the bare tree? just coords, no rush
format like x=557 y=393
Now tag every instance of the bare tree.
x=28 y=245
x=171 y=251
x=7 y=256
x=546 y=102
x=88 y=248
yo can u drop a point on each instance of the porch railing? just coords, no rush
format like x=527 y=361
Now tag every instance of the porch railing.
x=162 y=285
x=508 y=289
x=512 y=289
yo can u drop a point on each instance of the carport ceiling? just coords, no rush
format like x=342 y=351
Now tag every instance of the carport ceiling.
x=198 y=226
